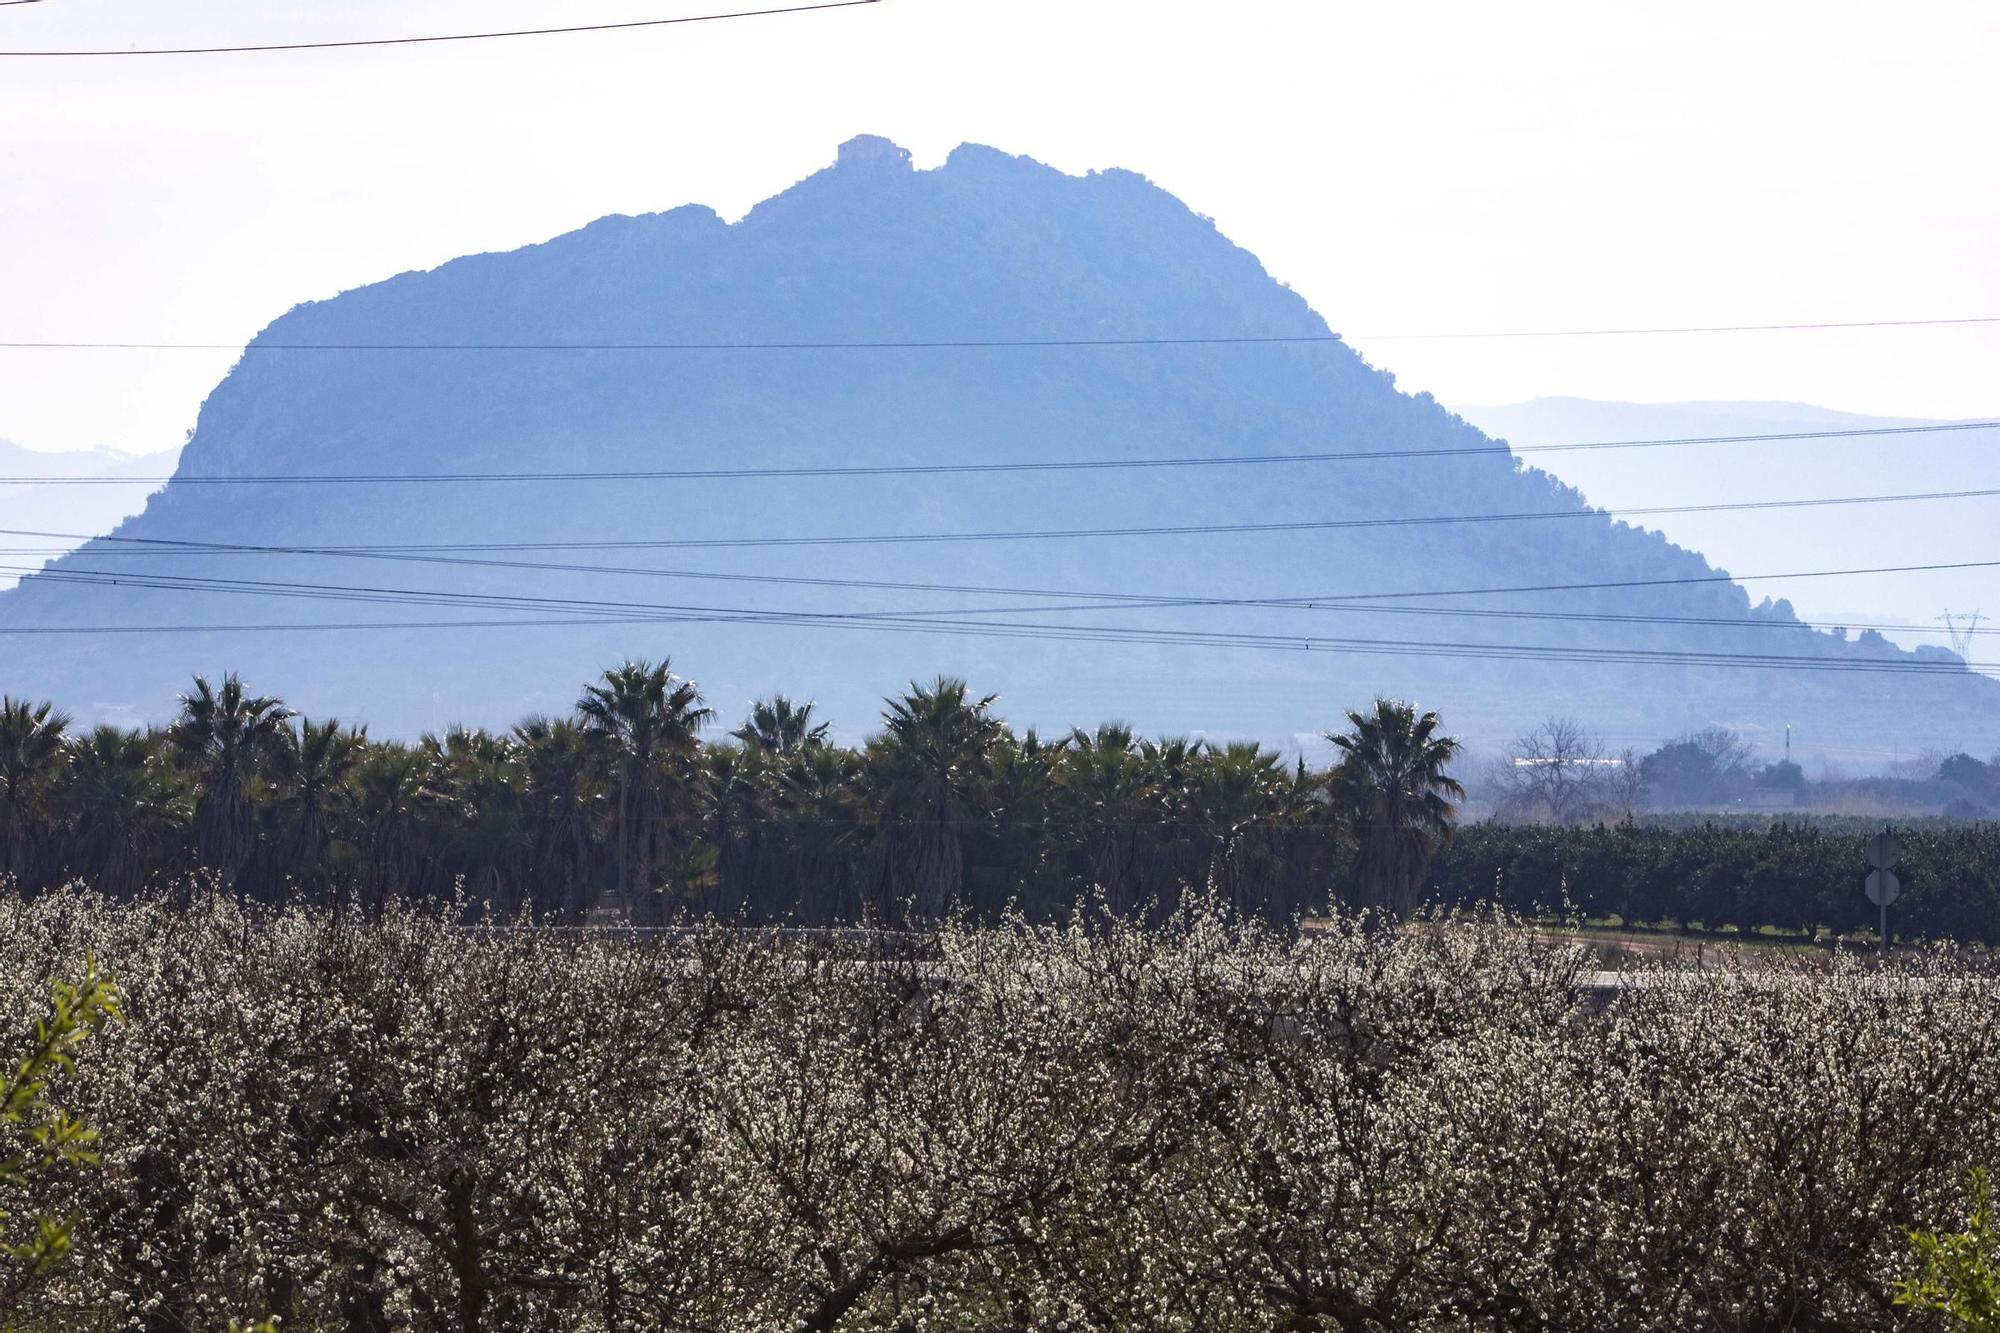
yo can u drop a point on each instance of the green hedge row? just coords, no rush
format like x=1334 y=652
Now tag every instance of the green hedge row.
x=1798 y=877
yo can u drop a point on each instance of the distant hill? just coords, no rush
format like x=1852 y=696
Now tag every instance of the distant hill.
x=88 y=510
x=987 y=247
x=1801 y=539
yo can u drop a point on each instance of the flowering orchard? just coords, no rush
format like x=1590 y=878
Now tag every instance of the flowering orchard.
x=406 y=1124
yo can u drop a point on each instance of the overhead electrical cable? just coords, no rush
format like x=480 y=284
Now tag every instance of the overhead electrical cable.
x=408 y=553
x=1298 y=525
x=1495 y=450
x=431 y=39
x=1299 y=642
x=951 y=344
x=1282 y=643
x=1292 y=525
x=1798 y=326
x=623 y=611
x=1080 y=599
x=1119 y=634
x=1154 y=602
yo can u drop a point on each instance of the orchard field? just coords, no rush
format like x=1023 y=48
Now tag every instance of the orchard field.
x=402 y=1122
x=1799 y=877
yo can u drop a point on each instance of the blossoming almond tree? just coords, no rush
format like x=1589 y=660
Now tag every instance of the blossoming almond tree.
x=404 y=1123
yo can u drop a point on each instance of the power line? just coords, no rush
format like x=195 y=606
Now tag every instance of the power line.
x=418 y=553
x=1697 y=328
x=1497 y=450
x=1301 y=525
x=1083 y=600
x=1080 y=634
x=647 y=612
x=989 y=629
x=1145 y=602
x=1092 y=634
x=443 y=37
x=1298 y=525
x=950 y=344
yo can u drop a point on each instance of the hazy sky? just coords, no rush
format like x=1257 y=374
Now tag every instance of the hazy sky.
x=1409 y=168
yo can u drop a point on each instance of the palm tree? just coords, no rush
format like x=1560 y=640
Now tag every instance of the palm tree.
x=648 y=722
x=1030 y=854
x=563 y=807
x=396 y=786
x=818 y=793
x=314 y=771
x=1177 y=854
x=781 y=727
x=126 y=808
x=1109 y=800
x=1240 y=796
x=929 y=765
x=484 y=783
x=227 y=737
x=738 y=791
x=1305 y=842
x=1392 y=785
x=31 y=760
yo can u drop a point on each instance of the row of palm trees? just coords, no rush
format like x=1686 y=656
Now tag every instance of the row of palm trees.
x=622 y=811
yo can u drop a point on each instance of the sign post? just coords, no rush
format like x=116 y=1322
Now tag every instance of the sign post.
x=1883 y=887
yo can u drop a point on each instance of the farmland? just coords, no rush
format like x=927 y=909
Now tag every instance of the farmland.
x=404 y=1122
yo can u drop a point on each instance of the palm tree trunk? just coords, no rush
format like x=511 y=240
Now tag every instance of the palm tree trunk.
x=936 y=868
x=17 y=835
x=624 y=836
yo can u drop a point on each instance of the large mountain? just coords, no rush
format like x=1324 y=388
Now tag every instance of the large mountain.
x=475 y=367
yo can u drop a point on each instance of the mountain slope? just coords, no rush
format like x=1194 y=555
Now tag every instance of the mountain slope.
x=1806 y=538
x=986 y=247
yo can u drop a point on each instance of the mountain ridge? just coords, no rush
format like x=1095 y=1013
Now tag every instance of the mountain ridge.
x=986 y=245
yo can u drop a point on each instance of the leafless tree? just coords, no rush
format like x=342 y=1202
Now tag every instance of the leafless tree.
x=1729 y=755
x=1625 y=784
x=1556 y=773
x=1921 y=768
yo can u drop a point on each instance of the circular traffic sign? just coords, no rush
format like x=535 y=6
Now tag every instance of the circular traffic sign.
x=1883 y=886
